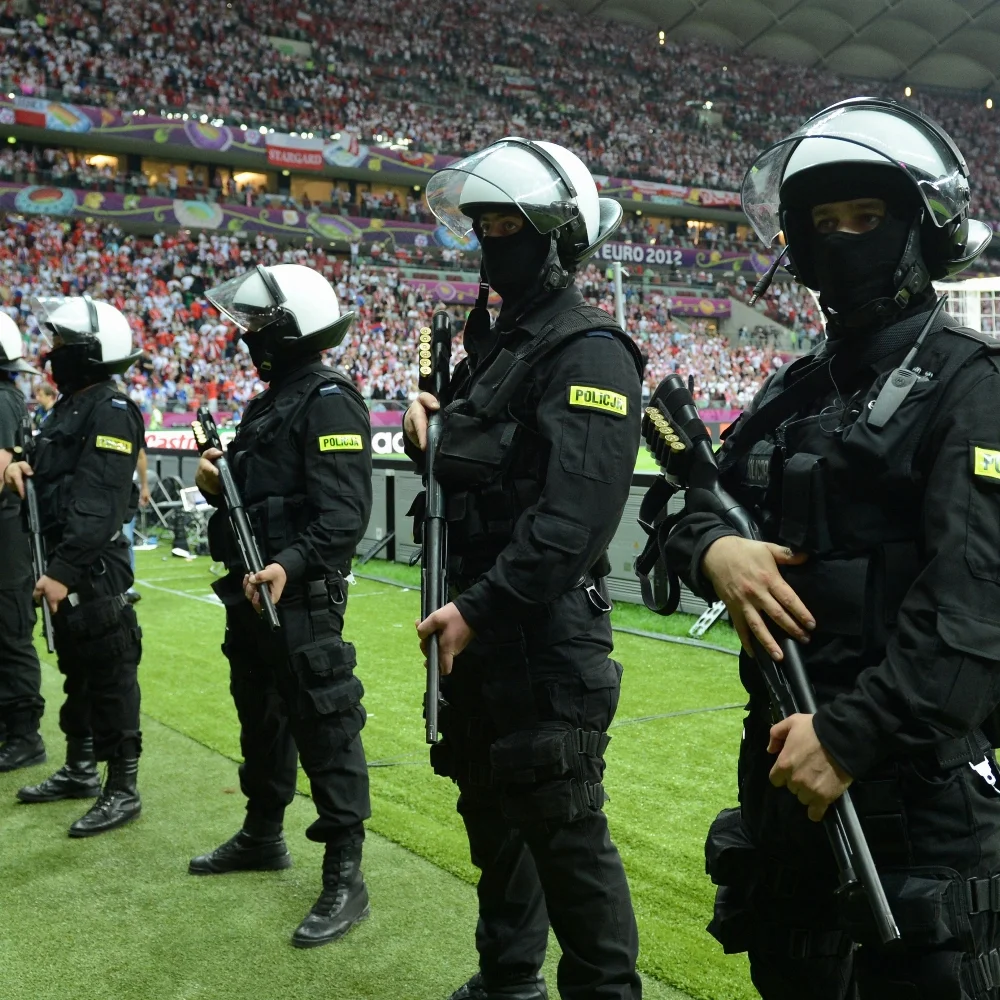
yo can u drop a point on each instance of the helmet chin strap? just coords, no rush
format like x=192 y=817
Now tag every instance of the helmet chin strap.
x=554 y=274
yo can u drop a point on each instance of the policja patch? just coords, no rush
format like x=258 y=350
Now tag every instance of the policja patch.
x=341 y=442
x=108 y=443
x=986 y=463
x=598 y=399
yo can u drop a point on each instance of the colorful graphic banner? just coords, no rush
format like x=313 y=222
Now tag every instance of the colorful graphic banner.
x=191 y=134
x=167 y=213
x=666 y=256
x=459 y=293
x=693 y=305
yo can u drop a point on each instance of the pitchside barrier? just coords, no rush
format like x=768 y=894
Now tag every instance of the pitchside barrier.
x=390 y=534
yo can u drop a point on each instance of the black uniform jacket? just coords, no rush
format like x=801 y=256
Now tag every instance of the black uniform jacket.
x=567 y=483
x=85 y=457
x=301 y=460
x=930 y=671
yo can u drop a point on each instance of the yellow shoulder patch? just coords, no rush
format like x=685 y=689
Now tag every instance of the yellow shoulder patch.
x=986 y=462
x=598 y=399
x=341 y=442
x=120 y=445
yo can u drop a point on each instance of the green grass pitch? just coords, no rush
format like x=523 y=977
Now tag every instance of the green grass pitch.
x=118 y=918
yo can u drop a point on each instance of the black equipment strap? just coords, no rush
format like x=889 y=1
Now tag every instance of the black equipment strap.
x=509 y=369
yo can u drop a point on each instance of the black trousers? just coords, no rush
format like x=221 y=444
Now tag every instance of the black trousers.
x=931 y=831
x=99 y=659
x=540 y=863
x=21 y=703
x=295 y=691
x=98 y=646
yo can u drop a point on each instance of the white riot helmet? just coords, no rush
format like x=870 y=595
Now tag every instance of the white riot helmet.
x=868 y=138
x=294 y=304
x=97 y=331
x=12 y=347
x=548 y=184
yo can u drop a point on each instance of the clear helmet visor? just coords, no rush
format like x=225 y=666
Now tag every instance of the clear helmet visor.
x=251 y=300
x=859 y=133
x=506 y=173
x=72 y=318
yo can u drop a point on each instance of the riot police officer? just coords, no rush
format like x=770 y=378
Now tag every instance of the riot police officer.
x=21 y=702
x=536 y=455
x=871 y=466
x=85 y=458
x=301 y=460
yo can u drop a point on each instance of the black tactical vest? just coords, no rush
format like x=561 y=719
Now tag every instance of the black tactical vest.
x=268 y=463
x=59 y=449
x=850 y=494
x=491 y=460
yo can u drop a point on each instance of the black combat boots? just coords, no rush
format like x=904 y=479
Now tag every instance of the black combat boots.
x=258 y=847
x=76 y=779
x=22 y=751
x=118 y=802
x=343 y=902
x=478 y=989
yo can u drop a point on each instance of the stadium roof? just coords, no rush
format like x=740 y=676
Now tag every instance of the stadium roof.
x=940 y=43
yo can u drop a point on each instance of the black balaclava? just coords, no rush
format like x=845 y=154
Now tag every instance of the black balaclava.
x=513 y=263
x=72 y=367
x=854 y=269
x=858 y=275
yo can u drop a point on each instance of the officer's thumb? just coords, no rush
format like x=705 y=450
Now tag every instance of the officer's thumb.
x=784 y=556
x=777 y=736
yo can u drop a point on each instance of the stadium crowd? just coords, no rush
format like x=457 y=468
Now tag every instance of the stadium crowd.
x=190 y=354
x=407 y=71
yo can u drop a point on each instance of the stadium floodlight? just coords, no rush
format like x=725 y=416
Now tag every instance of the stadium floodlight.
x=263 y=129
x=243 y=127
x=989 y=103
x=184 y=117
x=10 y=96
x=908 y=92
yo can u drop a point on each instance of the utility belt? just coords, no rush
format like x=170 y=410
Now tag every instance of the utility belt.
x=570 y=614
x=314 y=595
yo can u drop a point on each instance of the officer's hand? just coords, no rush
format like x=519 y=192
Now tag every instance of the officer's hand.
x=145 y=496
x=13 y=477
x=804 y=767
x=415 y=420
x=453 y=634
x=206 y=476
x=745 y=575
x=50 y=590
x=273 y=574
